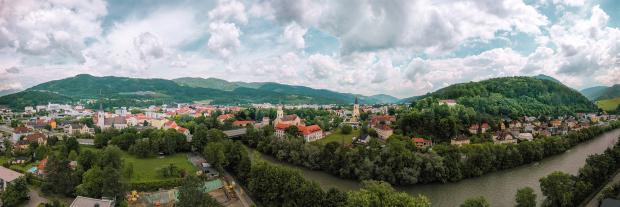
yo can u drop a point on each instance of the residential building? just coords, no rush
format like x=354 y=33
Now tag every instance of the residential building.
x=421 y=142
x=81 y=201
x=224 y=117
x=384 y=131
x=459 y=140
x=7 y=176
x=449 y=102
x=504 y=137
x=242 y=123
x=311 y=133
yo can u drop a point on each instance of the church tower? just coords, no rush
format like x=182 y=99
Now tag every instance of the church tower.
x=100 y=113
x=356 y=110
x=280 y=112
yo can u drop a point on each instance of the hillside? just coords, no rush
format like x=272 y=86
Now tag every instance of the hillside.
x=335 y=97
x=609 y=104
x=546 y=77
x=119 y=91
x=517 y=96
x=593 y=93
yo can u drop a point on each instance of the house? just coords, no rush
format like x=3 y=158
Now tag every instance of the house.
x=311 y=133
x=362 y=139
x=421 y=142
x=459 y=140
x=18 y=132
x=514 y=124
x=449 y=102
x=526 y=136
x=280 y=130
x=81 y=201
x=556 y=122
x=382 y=120
x=242 y=123
x=75 y=128
x=224 y=117
x=173 y=125
x=288 y=119
x=504 y=137
x=473 y=129
x=7 y=176
x=41 y=166
x=384 y=131
x=37 y=137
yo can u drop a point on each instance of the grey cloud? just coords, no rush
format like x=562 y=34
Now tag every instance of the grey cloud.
x=148 y=46
x=13 y=70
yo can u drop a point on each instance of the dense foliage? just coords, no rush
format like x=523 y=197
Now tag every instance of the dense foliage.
x=517 y=96
x=399 y=162
x=562 y=189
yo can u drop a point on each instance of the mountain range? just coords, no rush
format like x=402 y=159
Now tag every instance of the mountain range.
x=542 y=92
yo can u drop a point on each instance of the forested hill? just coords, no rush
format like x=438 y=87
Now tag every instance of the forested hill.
x=602 y=92
x=517 y=96
x=123 y=91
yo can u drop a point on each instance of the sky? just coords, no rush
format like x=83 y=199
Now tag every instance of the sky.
x=399 y=47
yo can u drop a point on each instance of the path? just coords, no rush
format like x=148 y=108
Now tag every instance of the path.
x=594 y=201
x=35 y=198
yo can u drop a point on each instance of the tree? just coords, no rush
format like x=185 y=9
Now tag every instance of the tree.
x=128 y=170
x=526 y=197
x=59 y=178
x=112 y=186
x=111 y=156
x=335 y=198
x=87 y=159
x=72 y=145
x=558 y=187
x=73 y=155
x=346 y=129
x=378 y=193
x=15 y=193
x=92 y=182
x=292 y=131
x=476 y=202
x=191 y=195
x=214 y=153
x=142 y=148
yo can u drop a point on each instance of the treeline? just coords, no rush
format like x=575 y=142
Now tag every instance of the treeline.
x=517 y=96
x=145 y=143
x=272 y=185
x=562 y=189
x=399 y=162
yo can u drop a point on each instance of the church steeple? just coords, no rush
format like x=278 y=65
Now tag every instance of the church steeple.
x=356 y=100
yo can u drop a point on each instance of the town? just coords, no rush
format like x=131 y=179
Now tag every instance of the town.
x=29 y=136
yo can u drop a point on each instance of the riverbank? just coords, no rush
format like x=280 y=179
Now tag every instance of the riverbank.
x=498 y=187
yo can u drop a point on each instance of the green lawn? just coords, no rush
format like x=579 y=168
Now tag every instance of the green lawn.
x=609 y=104
x=147 y=169
x=339 y=137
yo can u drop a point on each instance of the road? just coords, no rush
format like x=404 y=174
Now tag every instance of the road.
x=35 y=198
x=86 y=141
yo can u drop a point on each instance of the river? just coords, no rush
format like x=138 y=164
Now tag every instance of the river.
x=499 y=188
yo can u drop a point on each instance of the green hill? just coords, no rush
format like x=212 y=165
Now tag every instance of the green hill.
x=546 y=77
x=517 y=96
x=593 y=93
x=609 y=104
x=123 y=91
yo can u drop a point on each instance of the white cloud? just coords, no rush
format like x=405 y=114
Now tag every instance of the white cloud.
x=229 y=10
x=224 y=39
x=294 y=34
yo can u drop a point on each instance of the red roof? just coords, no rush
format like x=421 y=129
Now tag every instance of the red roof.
x=20 y=130
x=420 y=140
x=181 y=129
x=383 y=127
x=171 y=124
x=34 y=137
x=485 y=125
x=306 y=130
x=281 y=126
x=42 y=163
x=242 y=123
x=225 y=116
x=474 y=126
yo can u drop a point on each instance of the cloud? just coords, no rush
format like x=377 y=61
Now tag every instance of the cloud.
x=224 y=40
x=229 y=10
x=148 y=46
x=13 y=70
x=294 y=34
x=430 y=27
x=52 y=30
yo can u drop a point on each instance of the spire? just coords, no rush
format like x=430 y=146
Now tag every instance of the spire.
x=356 y=100
x=100 y=104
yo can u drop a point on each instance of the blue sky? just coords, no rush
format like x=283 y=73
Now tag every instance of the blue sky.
x=401 y=48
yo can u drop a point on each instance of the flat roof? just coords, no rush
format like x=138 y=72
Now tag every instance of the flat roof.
x=91 y=202
x=9 y=175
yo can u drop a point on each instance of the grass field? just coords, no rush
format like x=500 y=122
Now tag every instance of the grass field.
x=339 y=137
x=609 y=104
x=147 y=169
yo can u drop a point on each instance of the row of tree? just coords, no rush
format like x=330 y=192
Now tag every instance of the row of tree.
x=145 y=143
x=399 y=162
x=562 y=189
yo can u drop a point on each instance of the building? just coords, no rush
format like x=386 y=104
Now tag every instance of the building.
x=18 y=132
x=242 y=123
x=75 y=128
x=37 y=137
x=421 y=142
x=280 y=130
x=311 y=133
x=286 y=119
x=384 y=131
x=460 y=140
x=449 y=102
x=504 y=137
x=355 y=115
x=81 y=201
x=382 y=119
x=526 y=136
x=224 y=117
x=7 y=176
